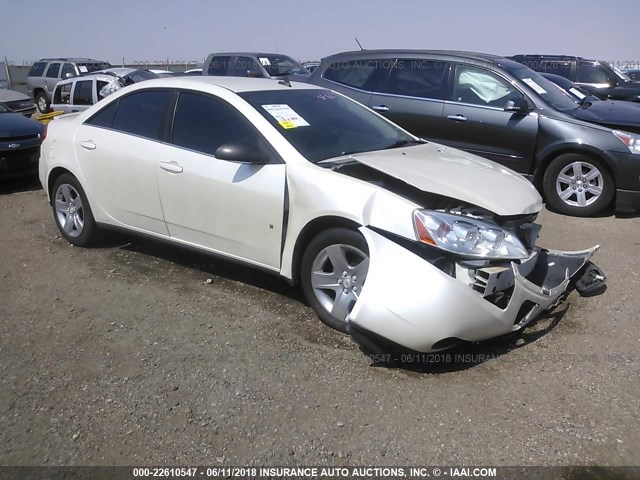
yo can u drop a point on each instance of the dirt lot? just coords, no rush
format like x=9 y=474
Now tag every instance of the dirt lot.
x=126 y=354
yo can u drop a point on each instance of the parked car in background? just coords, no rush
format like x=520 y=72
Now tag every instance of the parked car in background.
x=45 y=74
x=633 y=74
x=601 y=78
x=79 y=93
x=497 y=108
x=18 y=102
x=20 y=140
x=255 y=65
x=310 y=185
x=311 y=66
x=608 y=113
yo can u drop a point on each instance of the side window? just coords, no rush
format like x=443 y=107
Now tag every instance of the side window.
x=219 y=66
x=482 y=87
x=362 y=74
x=104 y=118
x=418 y=78
x=100 y=85
x=242 y=66
x=53 y=70
x=590 y=73
x=37 y=69
x=83 y=93
x=557 y=68
x=67 y=68
x=62 y=94
x=141 y=113
x=203 y=123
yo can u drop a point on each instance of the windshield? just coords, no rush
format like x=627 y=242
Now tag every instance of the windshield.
x=621 y=75
x=4 y=108
x=550 y=93
x=321 y=124
x=276 y=65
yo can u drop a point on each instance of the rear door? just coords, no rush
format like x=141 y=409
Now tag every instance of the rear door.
x=83 y=95
x=413 y=96
x=477 y=122
x=118 y=149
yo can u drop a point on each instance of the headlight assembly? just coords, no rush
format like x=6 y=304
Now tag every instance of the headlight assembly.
x=629 y=139
x=466 y=236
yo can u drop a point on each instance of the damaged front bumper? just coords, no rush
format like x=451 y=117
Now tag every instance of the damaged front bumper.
x=410 y=302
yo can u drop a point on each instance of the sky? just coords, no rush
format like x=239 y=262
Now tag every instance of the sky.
x=188 y=30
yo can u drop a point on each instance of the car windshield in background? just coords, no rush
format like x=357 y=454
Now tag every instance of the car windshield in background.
x=276 y=65
x=140 y=75
x=321 y=124
x=4 y=109
x=554 y=96
x=86 y=67
x=620 y=73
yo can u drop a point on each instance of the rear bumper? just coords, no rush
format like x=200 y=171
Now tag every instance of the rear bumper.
x=412 y=303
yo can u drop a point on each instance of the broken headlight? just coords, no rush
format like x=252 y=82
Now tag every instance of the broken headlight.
x=466 y=236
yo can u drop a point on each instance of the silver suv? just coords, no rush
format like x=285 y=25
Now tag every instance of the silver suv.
x=45 y=74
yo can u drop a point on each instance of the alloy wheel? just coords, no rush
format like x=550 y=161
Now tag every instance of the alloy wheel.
x=69 y=210
x=580 y=184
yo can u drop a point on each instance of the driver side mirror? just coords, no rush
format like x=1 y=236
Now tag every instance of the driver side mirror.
x=242 y=152
x=519 y=105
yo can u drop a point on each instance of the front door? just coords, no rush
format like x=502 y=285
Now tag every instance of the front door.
x=235 y=209
x=477 y=122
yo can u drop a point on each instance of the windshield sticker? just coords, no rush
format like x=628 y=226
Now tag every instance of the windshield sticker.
x=534 y=85
x=286 y=116
x=264 y=61
x=82 y=69
x=577 y=93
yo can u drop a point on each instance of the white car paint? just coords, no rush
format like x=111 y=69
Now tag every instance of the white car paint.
x=238 y=210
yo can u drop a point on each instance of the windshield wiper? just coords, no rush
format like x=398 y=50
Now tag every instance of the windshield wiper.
x=405 y=142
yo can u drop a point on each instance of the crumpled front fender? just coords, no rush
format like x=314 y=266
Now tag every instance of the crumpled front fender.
x=409 y=301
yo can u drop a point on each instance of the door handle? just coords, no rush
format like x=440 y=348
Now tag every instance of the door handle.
x=457 y=118
x=380 y=108
x=88 y=144
x=172 y=167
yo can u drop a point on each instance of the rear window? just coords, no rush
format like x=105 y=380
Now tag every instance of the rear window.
x=53 y=71
x=83 y=93
x=418 y=78
x=141 y=113
x=362 y=74
x=38 y=69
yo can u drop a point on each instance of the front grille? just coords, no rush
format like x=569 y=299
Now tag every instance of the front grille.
x=19 y=138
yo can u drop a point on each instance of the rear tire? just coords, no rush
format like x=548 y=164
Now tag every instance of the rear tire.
x=333 y=271
x=72 y=212
x=578 y=185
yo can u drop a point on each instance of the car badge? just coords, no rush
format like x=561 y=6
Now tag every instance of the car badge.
x=14 y=145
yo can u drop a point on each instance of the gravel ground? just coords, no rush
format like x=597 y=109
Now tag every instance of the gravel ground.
x=135 y=353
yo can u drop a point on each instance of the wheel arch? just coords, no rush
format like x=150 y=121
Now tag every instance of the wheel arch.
x=310 y=231
x=53 y=176
x=546 y=160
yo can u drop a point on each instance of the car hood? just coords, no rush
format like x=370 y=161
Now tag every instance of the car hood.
x=15 y=125
x=11 y=95
x=610 y=112
x=456 y=174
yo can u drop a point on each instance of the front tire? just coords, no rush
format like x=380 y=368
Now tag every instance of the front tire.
x=42 y=103
x=72 y=212
x=333 y=271
x=577 y=185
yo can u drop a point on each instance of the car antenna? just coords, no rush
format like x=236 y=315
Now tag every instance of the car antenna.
x=358 y=43
x=286 y=83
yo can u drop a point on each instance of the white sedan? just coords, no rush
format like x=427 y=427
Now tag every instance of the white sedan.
x=402 y=243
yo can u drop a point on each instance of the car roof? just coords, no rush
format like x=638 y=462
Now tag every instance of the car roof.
x=248 y=54
x=88 y=76
x=72 y=59
x=486 y=58
x=119 y=71
x=234 y=84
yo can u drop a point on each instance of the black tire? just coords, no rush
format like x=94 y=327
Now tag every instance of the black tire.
x=81 y=237
x=594 y=202
x=355 y=246
x=41 y=100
